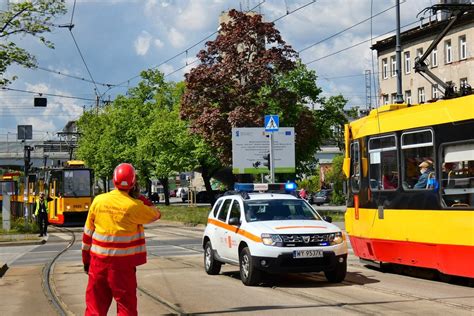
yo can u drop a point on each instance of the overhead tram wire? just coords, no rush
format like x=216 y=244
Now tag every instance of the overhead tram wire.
x=47 y=94
x=287 y=13
x=176 y=55
x=355 y=45
x=347 y=29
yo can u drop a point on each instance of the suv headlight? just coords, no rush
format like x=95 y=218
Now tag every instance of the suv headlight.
x=336 y=238
x=272 y=240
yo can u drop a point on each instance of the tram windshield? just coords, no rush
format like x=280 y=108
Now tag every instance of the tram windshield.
x=77 y=183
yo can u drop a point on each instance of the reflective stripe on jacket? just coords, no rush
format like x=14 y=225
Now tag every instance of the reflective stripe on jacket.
x=37 y=207
x=114 y=229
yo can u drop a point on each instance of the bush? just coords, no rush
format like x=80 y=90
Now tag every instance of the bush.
x=17 y=226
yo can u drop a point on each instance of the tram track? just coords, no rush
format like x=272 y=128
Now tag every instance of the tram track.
x=352 y=307
x=47 y=279
x=61 y=308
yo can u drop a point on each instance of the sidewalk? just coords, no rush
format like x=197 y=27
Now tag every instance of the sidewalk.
x=11 y=240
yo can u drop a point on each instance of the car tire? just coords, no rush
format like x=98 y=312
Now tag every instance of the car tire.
x=248 y=273
x=338 y=274
x=211 y=265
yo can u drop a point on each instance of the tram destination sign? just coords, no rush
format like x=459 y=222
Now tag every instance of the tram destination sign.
x=250 y=145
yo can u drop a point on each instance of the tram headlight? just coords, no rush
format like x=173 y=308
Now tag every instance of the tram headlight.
x=68 y=207
x=336 y=238
x=271 y=240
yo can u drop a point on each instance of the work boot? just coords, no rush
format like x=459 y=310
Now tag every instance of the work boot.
x=40 y=235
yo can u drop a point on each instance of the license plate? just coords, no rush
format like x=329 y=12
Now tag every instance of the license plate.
x=307 y=254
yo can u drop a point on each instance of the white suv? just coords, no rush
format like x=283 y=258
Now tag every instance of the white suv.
x=272 y=232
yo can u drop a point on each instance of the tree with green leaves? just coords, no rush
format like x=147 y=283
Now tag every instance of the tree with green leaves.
x=335 y=176
x=25 y=18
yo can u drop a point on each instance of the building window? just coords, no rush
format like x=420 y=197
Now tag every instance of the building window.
x=462 y=47
x=408 y=96
x=419 y=52
x=384 y=68
x=385 y=99
x=407 y=63
x=421 y=95
x=448 y=52
x=434 y=57
x=393 y=66
x=393 y=98
x=434 y=92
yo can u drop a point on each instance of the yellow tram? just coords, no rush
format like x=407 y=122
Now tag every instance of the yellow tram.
x=70 y=193
x=389 y=219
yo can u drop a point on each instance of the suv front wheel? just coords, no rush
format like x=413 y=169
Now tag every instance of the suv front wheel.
x=248 y=273
x=338 y=274
x=211 y=265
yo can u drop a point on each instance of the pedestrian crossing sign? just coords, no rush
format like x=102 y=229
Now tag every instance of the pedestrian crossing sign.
x=272 y=123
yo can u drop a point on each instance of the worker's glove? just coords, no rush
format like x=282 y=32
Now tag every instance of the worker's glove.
x=86 y=268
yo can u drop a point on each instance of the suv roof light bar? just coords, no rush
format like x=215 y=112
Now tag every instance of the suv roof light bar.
x=265 y=187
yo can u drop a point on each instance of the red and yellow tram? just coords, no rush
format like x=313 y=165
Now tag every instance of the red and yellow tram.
x=389 y=218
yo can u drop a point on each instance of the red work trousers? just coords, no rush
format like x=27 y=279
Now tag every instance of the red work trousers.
x=107 y=281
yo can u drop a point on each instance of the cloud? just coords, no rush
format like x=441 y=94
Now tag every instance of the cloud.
x=176 y=38
x=158 y=43
x=142 y=43
x=166 y=68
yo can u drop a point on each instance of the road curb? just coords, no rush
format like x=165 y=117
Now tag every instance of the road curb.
x=22 y=243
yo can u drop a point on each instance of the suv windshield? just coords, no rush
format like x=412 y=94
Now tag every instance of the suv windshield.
x=273 y=210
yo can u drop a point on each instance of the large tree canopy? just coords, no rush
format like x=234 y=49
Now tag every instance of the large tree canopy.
x=223 y=91
x=25 y=18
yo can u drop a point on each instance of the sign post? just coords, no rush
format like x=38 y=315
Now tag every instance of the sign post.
x=272 y=123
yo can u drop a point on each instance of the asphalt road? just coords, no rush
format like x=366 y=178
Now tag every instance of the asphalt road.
x=174 y=282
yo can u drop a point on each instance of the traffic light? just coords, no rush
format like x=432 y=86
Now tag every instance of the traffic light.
x=266 y=161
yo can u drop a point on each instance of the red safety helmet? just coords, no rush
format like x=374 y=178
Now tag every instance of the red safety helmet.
x=124 y=176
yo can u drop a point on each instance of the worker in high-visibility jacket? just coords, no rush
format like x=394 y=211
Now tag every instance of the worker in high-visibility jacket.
x=113 y=244
x=41 y=213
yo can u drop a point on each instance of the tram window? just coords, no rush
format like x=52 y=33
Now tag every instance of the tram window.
x=77 y=183
x=355 y=168
x=383 y=169
x=457 y=176
x=417 y=147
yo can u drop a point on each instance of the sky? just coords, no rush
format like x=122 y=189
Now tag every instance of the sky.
x=117 y=39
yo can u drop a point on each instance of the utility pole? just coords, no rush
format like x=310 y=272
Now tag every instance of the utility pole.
x=27 y=158
x=398 y=51
x=368 y=91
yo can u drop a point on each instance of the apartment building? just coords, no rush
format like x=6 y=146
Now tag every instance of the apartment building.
x=452 y=60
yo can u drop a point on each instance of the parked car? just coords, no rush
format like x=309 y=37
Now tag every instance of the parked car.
x=173 y=193
x=182 y=193
x=321 y=197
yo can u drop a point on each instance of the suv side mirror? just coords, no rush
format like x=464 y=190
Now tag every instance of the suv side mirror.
x=234 y=221
x=328 y=219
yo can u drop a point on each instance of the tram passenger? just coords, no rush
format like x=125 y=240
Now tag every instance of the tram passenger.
x=427 y=172
x=41 y=213
x=113 y=244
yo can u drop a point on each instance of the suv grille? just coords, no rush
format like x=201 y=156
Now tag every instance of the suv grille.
x=306 y=240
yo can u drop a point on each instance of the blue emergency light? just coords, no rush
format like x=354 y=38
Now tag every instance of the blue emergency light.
x=265 y=187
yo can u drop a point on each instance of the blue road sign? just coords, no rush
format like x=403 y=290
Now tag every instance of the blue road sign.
x=272 y=122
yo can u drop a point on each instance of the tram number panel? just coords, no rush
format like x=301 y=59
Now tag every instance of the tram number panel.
x=307 y=254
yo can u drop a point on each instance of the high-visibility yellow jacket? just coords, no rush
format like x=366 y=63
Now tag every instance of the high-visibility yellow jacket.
x=114 y=230
x=37 y=207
